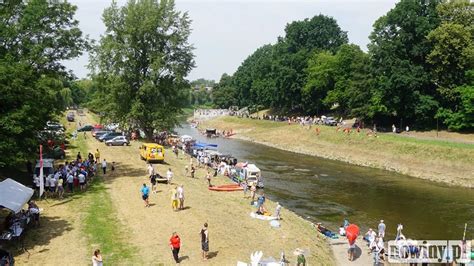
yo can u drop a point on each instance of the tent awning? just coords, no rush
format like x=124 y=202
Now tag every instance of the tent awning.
x=14 y=195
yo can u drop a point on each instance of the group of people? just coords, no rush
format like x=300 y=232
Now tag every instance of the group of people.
x=175 y=244
x=72 y=176
x=375 y=241
x=177 y=203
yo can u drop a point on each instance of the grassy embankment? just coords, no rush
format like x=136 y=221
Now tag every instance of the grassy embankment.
x=100 y=222
x=449 y=162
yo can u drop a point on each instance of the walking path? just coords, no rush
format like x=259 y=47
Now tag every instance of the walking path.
x=362 y=258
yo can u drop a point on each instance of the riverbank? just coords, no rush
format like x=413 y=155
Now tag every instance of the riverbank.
x=441 y=161
x=139 y=235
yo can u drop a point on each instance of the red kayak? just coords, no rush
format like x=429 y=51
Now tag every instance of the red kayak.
x=232 y=187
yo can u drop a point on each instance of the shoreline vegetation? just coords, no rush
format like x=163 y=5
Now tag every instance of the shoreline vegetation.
x=446 y=162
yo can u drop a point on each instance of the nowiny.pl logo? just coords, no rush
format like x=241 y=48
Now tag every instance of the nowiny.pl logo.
x=429 y=251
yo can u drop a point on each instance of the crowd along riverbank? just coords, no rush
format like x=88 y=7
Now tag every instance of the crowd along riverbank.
x=447 y=162
x=143 y=233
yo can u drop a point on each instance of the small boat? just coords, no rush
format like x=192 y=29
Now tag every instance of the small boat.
x=232 y=187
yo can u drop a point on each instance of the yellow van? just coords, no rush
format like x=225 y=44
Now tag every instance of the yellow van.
x=152 y=152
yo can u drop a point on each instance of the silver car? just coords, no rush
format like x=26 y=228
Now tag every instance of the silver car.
x=118 y=141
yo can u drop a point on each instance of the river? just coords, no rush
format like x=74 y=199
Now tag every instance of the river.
x=325 y=190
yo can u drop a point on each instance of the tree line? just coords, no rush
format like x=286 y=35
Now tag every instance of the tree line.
x=418 y=69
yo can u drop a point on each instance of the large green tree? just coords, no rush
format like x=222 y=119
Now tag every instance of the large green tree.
x=399 y=49
x=224 y=94
x=339 y=82
x=452 y=59
x=302 y=39
x=254 y=79
x=141 y=64
x=36 y=36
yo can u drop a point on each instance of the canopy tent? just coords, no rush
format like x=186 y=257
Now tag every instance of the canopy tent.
x=201 y=146
x=14 y=195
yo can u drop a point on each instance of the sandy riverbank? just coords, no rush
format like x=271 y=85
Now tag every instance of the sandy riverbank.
x=233 y=234
x=450 y=163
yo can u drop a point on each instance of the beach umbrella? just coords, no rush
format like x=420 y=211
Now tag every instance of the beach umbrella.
x=352 y=231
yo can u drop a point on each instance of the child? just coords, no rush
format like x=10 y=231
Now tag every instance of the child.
x=113 y=167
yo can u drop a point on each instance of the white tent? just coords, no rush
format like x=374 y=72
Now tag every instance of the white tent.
x=14 y=195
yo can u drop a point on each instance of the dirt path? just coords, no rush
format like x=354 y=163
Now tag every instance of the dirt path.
x=233 y=234
x=362 y=258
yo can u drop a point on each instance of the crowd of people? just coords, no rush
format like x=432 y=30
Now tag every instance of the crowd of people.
x=72 y=176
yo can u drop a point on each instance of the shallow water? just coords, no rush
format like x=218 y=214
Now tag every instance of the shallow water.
x=325 y=190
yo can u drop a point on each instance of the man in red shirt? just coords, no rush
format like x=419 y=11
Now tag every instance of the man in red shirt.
x=175 y=244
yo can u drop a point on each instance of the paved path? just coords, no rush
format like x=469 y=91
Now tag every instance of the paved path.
x=340 y=246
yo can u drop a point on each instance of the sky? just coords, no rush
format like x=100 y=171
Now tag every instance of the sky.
x=225 y=32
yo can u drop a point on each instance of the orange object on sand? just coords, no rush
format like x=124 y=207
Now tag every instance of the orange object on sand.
x=232 y=187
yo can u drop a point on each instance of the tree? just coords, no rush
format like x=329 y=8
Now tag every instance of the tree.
x=399 y=49
x=253 y=78
x=35 y=38
x=141 y=64
x=340 y=82
x=224 y=94
x=302 y=39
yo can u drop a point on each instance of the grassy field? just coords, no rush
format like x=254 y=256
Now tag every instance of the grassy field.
x=445 y=161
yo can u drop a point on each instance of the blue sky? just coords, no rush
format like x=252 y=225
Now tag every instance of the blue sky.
x=225 y=32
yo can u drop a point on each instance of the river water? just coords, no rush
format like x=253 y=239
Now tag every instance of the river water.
x=325 y=190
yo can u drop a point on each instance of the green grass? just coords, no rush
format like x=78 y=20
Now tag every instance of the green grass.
x=100 y=224
x=418 y=153
x=102 y=227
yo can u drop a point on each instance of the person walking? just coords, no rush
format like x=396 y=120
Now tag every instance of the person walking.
x=97 y=258
x=169 y=176
x=253 y=189
x=145 y=194
x=193 y=170
x=174 y=199
x=104 y=166
x=180 y=192
x=175 y=245
x=381 y=229
x=208 y=177
x=204 y=241
x=97 y=156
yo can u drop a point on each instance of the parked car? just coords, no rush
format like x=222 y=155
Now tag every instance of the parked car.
x=55 y=153
x=48 y=167
x=330 y=121
x=70 y=117
x=54 y=126
x=98 y=134
x=109 y=136
x=85 y=128
x=112 y=126
x=118 y=141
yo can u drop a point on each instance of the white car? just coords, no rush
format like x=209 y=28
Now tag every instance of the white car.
x=112 y=126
